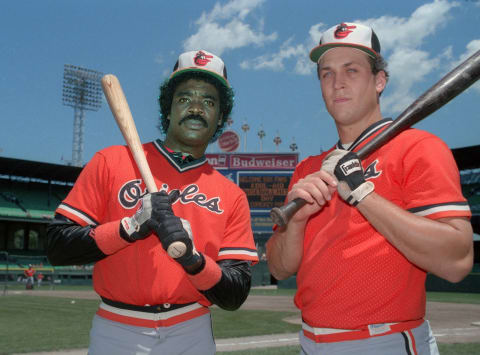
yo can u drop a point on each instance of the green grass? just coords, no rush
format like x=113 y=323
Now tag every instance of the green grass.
x=56 y=323
x=273 y=292
x=244 y=323
x=449 y=297
x=453 y=297
x=44 y=323
x=47 y=287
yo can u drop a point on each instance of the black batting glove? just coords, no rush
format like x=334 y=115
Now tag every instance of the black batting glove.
x=135 y=227
x=352 y=186
x=170 y=228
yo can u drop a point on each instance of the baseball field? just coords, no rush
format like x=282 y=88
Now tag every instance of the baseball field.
x=57 y=321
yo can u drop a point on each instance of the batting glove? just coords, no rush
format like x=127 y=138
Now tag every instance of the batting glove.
x=170 y=228
x=352 y=186
x=135 y=228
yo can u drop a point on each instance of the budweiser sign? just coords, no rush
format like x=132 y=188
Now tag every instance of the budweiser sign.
x=254 y=161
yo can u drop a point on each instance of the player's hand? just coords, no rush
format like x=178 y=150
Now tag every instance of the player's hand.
x=135 y=227
x=170 y=228
x=347 y=168
x=316 y=189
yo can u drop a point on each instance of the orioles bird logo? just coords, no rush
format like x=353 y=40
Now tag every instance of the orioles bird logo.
x=343 y=31
x=202 y=59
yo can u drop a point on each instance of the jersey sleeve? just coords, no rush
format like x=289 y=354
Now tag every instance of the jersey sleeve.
x=238 y=242
x=432 y=181
x=86 y=201
x=86 y=204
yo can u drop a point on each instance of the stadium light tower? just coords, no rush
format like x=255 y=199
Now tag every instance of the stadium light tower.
x=82 y=90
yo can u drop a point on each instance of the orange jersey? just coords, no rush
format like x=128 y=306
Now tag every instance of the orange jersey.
x=350 y=275
x=29 y=272
x=110 y=187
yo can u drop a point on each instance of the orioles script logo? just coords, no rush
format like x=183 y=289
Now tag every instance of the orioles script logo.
x=131 y=193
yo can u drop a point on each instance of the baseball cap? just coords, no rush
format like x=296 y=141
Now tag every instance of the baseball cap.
x=201 y=61
x=347 y=34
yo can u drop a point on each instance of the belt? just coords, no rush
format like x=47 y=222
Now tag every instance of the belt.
x=162 y=315
x=165 y=307
x=330 y=335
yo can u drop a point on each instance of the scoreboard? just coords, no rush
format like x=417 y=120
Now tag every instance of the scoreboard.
x=263 y=177
x=264 y=190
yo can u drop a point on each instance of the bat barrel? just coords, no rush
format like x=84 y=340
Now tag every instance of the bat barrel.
x=451 y=85
x=121 y=112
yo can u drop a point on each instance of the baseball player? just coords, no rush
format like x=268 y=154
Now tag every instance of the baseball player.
x=371 y=230
x=152 y=303
x=29 y=276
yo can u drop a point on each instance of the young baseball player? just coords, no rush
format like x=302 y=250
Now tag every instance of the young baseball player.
x=152 y=303
x=371 y=230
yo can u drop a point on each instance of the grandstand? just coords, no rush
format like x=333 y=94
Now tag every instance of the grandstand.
x=30 y=192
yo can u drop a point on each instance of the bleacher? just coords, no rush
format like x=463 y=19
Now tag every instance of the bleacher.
x=32 y=200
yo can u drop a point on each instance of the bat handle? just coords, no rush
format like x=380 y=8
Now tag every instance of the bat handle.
x=281 y=215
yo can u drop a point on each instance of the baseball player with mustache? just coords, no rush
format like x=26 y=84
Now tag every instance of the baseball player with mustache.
x=152 y=303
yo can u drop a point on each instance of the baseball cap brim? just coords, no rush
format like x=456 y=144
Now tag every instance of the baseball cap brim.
x=318 y=51
x=220 y=78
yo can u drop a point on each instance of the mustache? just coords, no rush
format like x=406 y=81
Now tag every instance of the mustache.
x=194 y=117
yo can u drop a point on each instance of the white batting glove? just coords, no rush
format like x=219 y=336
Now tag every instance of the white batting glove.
x=135 y=227
x=352 y=186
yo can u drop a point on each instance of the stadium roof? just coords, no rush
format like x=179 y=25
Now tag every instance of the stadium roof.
x=38 y=170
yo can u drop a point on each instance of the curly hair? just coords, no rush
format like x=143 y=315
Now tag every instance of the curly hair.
x=167 y=89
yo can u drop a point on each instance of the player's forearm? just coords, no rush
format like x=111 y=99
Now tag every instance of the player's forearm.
x=443 y=247
x=71 y=244
x=285 y=250
x=232 y=289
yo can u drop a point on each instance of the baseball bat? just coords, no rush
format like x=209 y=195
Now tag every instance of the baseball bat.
x=452 y=84
x=121 y=112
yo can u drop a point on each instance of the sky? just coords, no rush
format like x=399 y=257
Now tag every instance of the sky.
x=264 y=44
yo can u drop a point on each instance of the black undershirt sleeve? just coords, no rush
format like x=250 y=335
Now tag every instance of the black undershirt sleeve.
x=233 y=288
x=68 y=243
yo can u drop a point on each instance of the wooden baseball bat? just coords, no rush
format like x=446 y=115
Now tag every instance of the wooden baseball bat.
x=452 y=84
x=121 y=112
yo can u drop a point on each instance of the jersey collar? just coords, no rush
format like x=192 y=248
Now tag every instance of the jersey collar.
x=369 y=132
x=180 y=161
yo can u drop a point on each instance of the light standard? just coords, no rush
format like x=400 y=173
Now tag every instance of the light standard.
x=294 y=145
x=82 y=90
x=261 y=134
x=277 y=140
x=245 y=129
